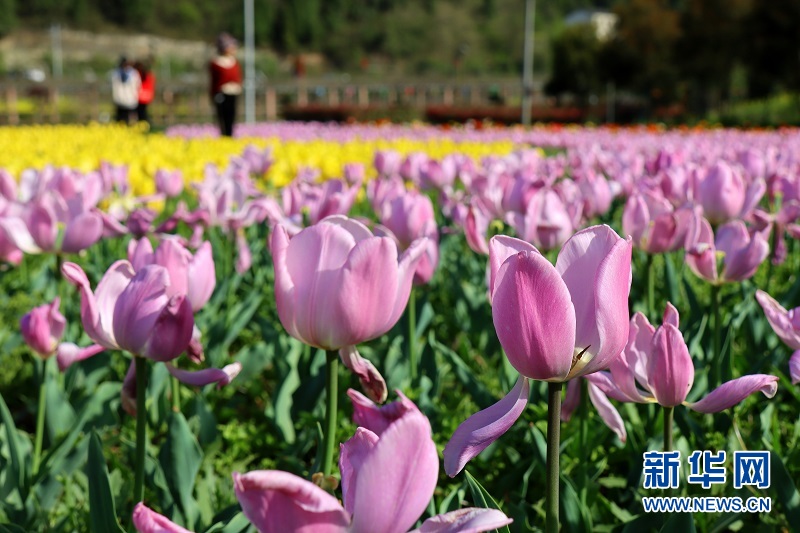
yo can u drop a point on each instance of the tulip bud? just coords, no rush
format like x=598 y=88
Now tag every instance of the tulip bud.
x=43 y=327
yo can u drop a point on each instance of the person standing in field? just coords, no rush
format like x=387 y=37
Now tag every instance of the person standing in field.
x=125 y=84
x=147 y=91
x=226 y=82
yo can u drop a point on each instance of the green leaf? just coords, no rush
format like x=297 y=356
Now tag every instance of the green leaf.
x=15 y=477
x=785 y=490
x=481 y=497
x=575 y=515
x=679 y=523
x=180 y=458
x=237 y=524
x=102 y=513
x=284 y=398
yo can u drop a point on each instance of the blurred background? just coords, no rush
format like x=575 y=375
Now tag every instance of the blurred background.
x=734 y=62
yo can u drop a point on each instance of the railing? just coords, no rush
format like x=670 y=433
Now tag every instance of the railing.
x=28 y=102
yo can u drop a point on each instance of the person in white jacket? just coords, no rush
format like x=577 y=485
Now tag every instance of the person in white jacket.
x=125 y=83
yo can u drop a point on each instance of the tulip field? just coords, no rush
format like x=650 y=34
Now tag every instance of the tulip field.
x=384 y=328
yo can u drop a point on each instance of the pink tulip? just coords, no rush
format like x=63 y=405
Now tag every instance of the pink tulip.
x=741 y=253
x=169 y=182
x=721 y=193
x=387 y=481
x=410 y=217
x=554 y=323
x=43 y=327
x=337 y=285
x=190 y=275
x=133 y=312
x=656 y=227
x=410 y=167
x=145 y=520
x=786 y=325
x=435 y=174
x=387 y=162
x=140 y=222
x=656 y=367
x=546 y=222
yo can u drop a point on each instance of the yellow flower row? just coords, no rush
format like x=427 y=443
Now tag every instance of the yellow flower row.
x=83 y=147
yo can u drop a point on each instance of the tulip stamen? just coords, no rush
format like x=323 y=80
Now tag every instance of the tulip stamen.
x=576 y=358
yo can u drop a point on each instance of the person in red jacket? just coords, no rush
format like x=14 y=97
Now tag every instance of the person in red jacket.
x=226 y=82
x=147 y=90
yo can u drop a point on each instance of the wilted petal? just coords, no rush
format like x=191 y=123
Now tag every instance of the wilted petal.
x=277 y=502
x=397 y=479
x=732 y=392
x=207 y=376
x=377 y=418
x=68 y=353
x=484 y=427
x=146 y=520
x=371 y=380
x=352 y=455
x=778 y=318
x=469 y=520
x=607 y=412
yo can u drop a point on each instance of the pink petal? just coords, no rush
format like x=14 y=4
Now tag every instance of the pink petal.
x=794 y=368
x=207 y=376
x=140 y=253
x=534 y=317
x=607 y=412
x=146 y=520
x=670 y=369
x=278 y=502
x=778 y=318
x=352 y=455
x=604 y=382
x=69 y=353
x=397 y=479
x=172 y=332
x=408 y=263
x=671 y=315
x=82 y=232
x=731 y=237
x=701 y=254
x=743 y=263
x=17 y=232
x=732 y=392
x=202 y=277
x=501 y=248
x=484 y=427
x=377 y=418
x=469 y=520
x=596 y=267
x=572 y=399
x=138 y=307
x=175 y=258
x=244 y=258
x=371 y=380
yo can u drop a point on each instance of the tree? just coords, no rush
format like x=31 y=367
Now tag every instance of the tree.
x=576 y=54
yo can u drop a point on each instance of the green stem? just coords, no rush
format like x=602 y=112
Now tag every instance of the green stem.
x=553 y=444
x=37 y=450
x=412 y=335
x=141 y=427
x=668 y=412
x=651 y=287
x=584 y=416
x=176 y=395
x=716 y=356
x=332 y=397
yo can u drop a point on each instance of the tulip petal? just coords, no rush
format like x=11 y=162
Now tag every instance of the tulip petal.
x=276 y=502
x=534 y=318
x=731 y=237
x=671 y=315
x=596 y=267
x=778 y=318
x=743 y=263
x=794 y=367
x=172 y=332
x=69 y=353
x=352 y=455
x=140 y=253
x=138 y=307
x=82 y=232
x=408 y=262
x=501 y=248
x=607 y=412
x=244 y=258
x=146 y=520
x=202 y=277
x=732 y=392
x=97 y=309
x=17 y=232
x=670 y=368
x=701 y=254
x=572 y=399
x=207 y=376
x=608 y=386
x=175 y=258
x=484 y=427
x=397 y=479
x=469 y=520
x=371 y=380
x=377 y=418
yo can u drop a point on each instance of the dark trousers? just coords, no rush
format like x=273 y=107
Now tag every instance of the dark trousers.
x=141 y=113
x=226 y=112
x=124 y=114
